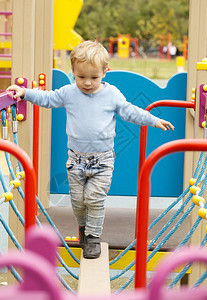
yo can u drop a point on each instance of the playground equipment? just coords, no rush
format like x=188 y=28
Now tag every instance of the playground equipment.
x=5 y=43
x=125 y=45
x=64 y=37
x=65 y=16
x=165 y=44
x=40 y=280
x=28 y=14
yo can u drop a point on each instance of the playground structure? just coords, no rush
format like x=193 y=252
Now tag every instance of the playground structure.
x=64 y=37
x=165 y=44
x=5 y=43
x=23 y=129
x=125 y=44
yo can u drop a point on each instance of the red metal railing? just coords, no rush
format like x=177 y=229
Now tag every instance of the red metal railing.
x=30 y=201
x=143 y=132
x=143 y=199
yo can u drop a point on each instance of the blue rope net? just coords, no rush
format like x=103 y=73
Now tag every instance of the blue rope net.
x=199 y=175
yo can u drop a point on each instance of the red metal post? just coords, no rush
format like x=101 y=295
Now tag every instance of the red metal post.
x=111 y=46
x=143 y=199
x=136 y=47
x=168 y=46
x=143 y=132
x=36 y=142
x=30 y=201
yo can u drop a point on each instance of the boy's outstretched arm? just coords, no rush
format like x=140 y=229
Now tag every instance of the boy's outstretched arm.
x=19 y=92
x=164 y=125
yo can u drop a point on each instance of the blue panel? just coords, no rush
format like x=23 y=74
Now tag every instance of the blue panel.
x=140 y=91
x=59 y=181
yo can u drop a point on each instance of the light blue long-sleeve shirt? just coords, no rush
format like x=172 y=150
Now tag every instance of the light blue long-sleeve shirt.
x=91 y=120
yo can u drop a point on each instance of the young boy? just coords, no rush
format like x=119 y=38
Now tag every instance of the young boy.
x=90 y=105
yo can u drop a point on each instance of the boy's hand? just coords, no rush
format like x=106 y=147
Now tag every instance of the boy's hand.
x=164 y=125
x=19 y=92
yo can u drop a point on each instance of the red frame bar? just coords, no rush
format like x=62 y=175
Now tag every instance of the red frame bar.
x=36 y=142
x=144 y=193
x=29 y=198
x=143 y=130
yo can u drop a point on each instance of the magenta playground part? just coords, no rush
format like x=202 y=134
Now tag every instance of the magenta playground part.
x=181 y=257
x=202 y=105
x=22 y=105
x=7 y=99
x=40 y=280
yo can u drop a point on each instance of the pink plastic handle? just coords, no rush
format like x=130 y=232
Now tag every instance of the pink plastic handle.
x=185 y=255
x=39 y=269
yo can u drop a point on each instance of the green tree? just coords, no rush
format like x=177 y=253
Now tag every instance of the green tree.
x=146 y=19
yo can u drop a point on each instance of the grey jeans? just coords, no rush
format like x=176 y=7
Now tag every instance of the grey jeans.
x=89 y=176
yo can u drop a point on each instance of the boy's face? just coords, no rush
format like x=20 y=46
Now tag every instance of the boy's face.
x=88 y=77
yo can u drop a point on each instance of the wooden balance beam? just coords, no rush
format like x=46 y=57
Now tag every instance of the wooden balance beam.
x=94 y=277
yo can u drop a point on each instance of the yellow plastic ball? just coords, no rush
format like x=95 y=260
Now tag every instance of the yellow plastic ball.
x=204 y=124
x=74 y=238
x=20 y=117
x=193 y=96
x=22 y=174
x=194 y=189
x=34 y=83
x=193 y=90
x=202 y=212
x=68 y=238
x=20 y=80
x=9 y=109
x=196 y=199
x=8 y=196
x=15 y=182
x=42 y=82
x=42 y=76
x=205 y=87
x=192 y=181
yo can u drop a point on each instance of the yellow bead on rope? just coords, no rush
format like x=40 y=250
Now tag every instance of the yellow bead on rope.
x=15 y=182
x=8 y=196
x=192 y=181
x=202 y=212
x=21 y=174
x=203 y=124
x=20 y=117
x=194 y=189
x=196 y=199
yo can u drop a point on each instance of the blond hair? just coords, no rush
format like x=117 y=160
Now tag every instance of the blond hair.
x=90 y=52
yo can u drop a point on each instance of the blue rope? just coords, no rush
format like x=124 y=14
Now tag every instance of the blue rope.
x=14 y=273
x=123 y=271
x=176 y=226
x=155 y=221
x=60 y=258
x=186 y=268
x=10 y=233
x=125 y=285
x=123 y=253
x=11 y=202
x=45 y=213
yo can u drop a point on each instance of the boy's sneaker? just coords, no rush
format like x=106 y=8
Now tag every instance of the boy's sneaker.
x=92 y=247
x=82 y=236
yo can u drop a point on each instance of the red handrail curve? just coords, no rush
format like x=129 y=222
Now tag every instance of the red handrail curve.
x=143 y=130
x=29 y=198
x=143 y=199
